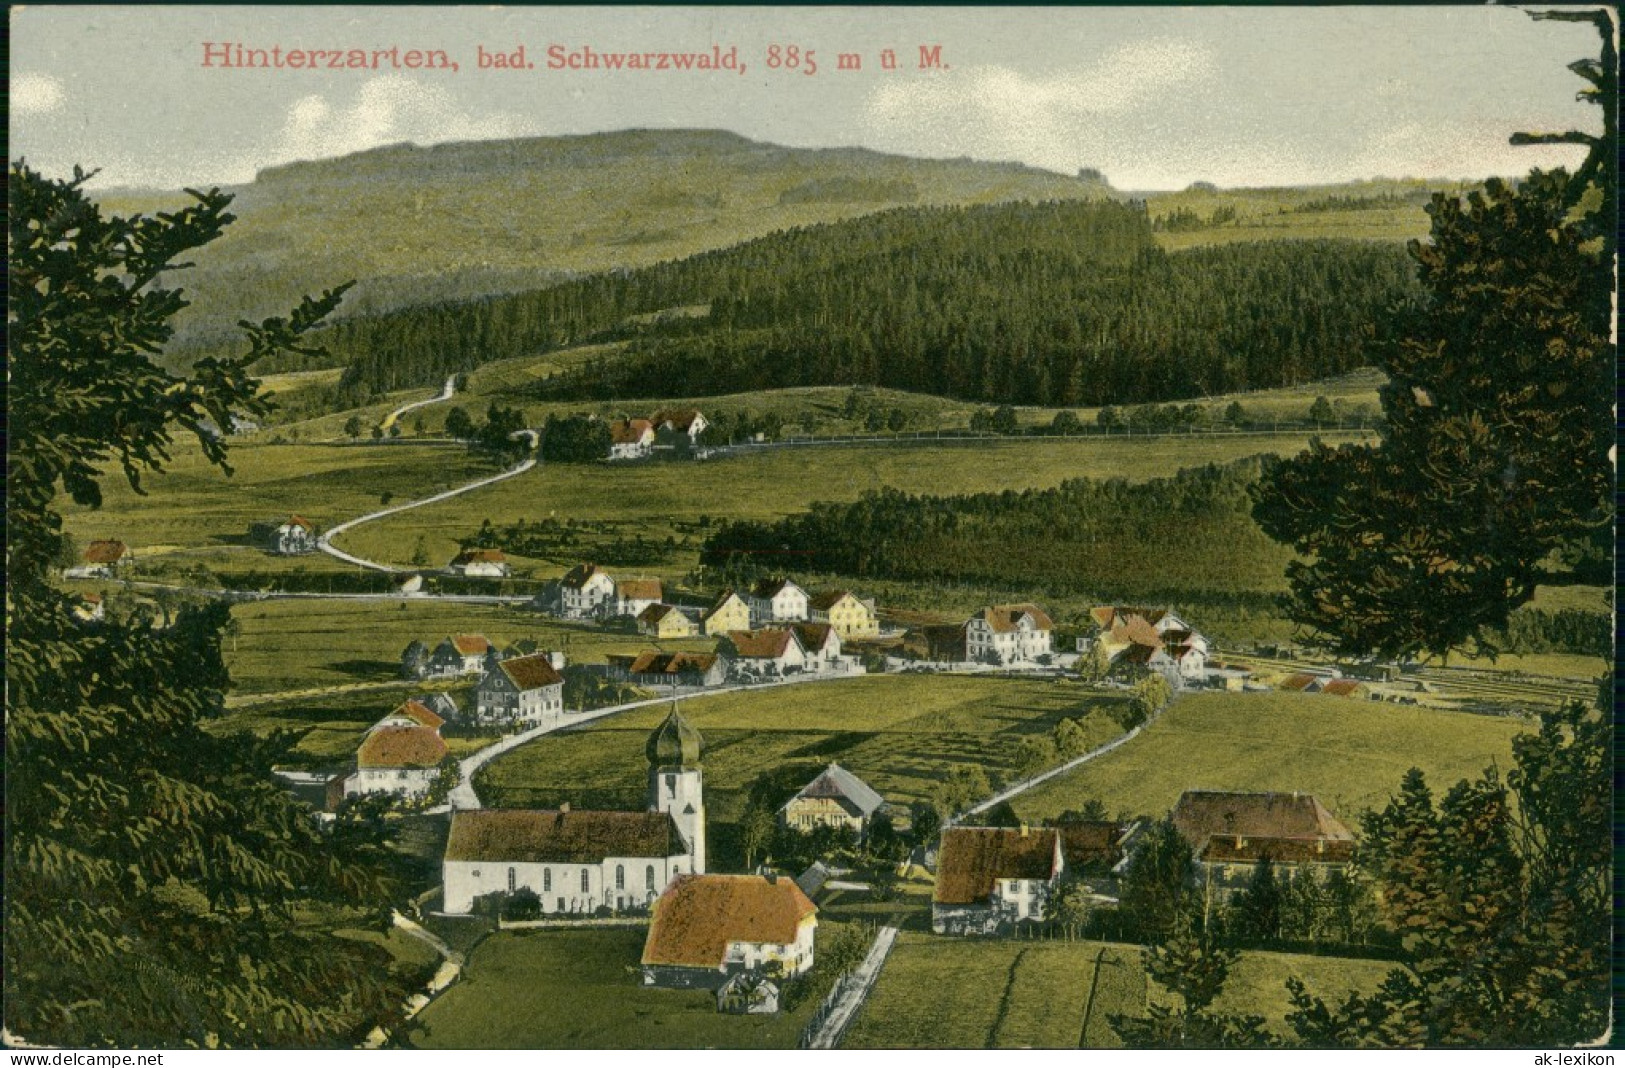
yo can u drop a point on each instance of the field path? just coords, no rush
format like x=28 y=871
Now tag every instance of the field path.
x=1027 y=784
x=854 y=989
x=325 y=542
x=445 y=395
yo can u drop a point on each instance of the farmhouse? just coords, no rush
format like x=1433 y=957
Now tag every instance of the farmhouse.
x=708 y=928
x=521 y=690
x=837 y=798
x=412 y=713
x=989 y=878
x=1338 y=687
x=656 y=669
x=1006 y=633
x=769 y=651
x=665 y=621
x=480 y=563
x=630 y=439
x=285 y=537
x=580 y=862
x=1298 y=682
x=459 y=654
x=105 y=557
x=632 y=596
x=777 y=601
x=1229 y=833
x=729 y=613
x=397 y=760
x=585 y=591
x=822 y=645
x=89 y=608
x=677 y=428
x=850 y=615
x=415 y=660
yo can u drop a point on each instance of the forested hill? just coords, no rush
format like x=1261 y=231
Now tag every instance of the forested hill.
x=1068 y=303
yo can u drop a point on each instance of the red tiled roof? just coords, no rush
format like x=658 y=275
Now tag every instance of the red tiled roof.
x=470 y=644
x=700 y=915
x=1003 y=617
x=678 y=418
x=544 y=835
x=104 y=552
x=1136 y=631
x=420 y=714
x=531 y=672
x=639 y=590
x=825 y=601
x=973 y=859
x=1087 y=842
x=1229 y=849
x=1139 y=654
x=652 y=662
x=769 y=643
x=1341 y=687
x=300 y=521
x=1299 y=681
x=401 y=747
x=656 y=612
x=1201 y=814
x=629 y=431
x=813 y=635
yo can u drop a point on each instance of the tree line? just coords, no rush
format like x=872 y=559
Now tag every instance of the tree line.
x=1053 y=303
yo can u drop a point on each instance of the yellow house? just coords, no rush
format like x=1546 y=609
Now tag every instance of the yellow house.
x=665 y=621
x=848 y=614
x=729 y=613
x=837 y=798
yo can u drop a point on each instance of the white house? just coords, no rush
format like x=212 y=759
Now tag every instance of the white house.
x=523 y=689
x=769 y=651
x=480 y=563
x=459 y=654
x=708 y=928
x=1006 y=633
x=102 y=558
x=402 y=760
x=412 y=713
x=287 y=537
x=631 y=439
x=677 y=428
x=585 y=591
x=991 y=877
x=777 y=601
x=821 y=644
x=580 y=862
x=632 y=596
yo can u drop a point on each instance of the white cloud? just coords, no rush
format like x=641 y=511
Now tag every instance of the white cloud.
x=1049 y=120
x=35 y=94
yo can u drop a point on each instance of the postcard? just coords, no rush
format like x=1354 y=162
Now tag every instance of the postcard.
x=810 y=528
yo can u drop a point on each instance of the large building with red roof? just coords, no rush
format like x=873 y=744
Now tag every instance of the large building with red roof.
x=708 y=928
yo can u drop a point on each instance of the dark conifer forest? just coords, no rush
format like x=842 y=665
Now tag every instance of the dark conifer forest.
x=1059 y=303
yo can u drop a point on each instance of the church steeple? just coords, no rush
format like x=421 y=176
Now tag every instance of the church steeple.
x=676 y=783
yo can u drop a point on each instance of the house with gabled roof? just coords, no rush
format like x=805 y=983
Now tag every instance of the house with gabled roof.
x=821 y=644
x=586 y=590
x=708 y=928
x=836 y=798
x=1338 y=687
x=655 y=669
x=88 y=608
x=1008 y=633
x=1298 y=682
x=285 y=537
x=777 y=601
x=730 y=612
x=1231 y=832
x=523 y=689
x=769 y=651
x=991 y=878
x=411 y=713
x=677 y=428
x=665 y=621
x=102 y=558
x=632 y=596
x=630 y=439
x=459 y=654
x=480 y=563
x=850 y=615
x=402 y=760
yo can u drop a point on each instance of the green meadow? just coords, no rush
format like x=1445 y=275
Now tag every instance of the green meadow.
x=1349 y=753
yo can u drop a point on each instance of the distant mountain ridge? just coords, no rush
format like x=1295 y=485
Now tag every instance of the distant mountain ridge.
x=425 y=225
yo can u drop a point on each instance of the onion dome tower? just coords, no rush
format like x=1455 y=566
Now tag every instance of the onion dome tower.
x=676 y=783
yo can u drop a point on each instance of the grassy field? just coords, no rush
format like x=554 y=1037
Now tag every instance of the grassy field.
x=900 y=733
x=650 y=499
x=578 y=989
x=192 y=504
x=1349 y=753
x=940 y=992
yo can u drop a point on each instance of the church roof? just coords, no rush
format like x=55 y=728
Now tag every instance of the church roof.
x=534 y=836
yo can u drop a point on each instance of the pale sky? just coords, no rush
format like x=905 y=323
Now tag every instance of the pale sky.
x=1154 y=97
